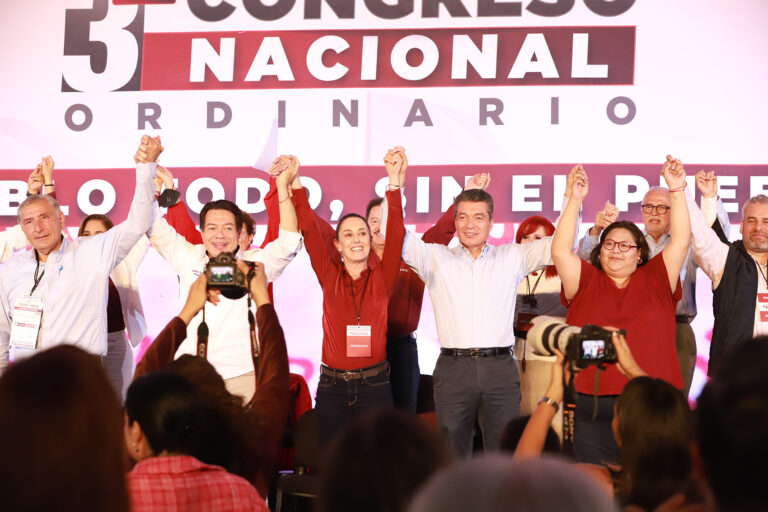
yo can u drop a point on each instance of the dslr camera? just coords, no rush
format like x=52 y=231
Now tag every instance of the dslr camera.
x=222 y=274
x=585 y=346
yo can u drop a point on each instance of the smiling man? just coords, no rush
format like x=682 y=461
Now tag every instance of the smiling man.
x=656 y=212
x=57 y=292
x=221 y=222
x=473 y=291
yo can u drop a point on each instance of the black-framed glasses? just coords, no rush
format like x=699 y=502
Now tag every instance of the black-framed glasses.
x=623 y=246
x=661 y=209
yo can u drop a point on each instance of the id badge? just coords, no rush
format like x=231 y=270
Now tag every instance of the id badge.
x=27 y=315
x=762 y=305
x=358 y=341
x=524 y=317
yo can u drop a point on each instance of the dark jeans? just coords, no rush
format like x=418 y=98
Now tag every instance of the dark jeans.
x=337 y=401
x=594 y=442
x=404 y=374
x=485 y=390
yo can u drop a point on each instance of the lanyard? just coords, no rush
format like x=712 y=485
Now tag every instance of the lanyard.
x=529 y=299
x=362 y=296
x=37 y=278
x=760 y=268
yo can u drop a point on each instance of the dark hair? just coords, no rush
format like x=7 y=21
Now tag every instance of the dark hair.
x=378 y=462
x=61 y=435
x=656 y=430
x=174 y=419
x=732 y=422
x=513 y=431
x=250 y=226
x=640 y=242
x=95 y=216
x=349 y=216
x=222 y=204
x=532 y=224
x=474 y=195
x=373 y=203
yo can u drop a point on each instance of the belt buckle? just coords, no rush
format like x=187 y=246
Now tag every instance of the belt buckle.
x=347 y=376
x=475 y=352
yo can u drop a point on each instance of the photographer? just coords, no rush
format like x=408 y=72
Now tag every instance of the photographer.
x=262 y=418
x=652 y=425
x=622 y=287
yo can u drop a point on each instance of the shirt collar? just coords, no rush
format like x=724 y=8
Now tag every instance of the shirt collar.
x=483 y=251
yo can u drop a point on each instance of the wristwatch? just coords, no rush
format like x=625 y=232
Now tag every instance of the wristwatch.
x=551 y=402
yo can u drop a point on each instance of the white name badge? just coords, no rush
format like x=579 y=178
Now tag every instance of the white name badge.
x=27 y=315
x=358 y=341
x=762 y=306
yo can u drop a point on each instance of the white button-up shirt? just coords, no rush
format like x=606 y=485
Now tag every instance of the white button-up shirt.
x=474 y=299
x=74 y=287
x=229 y=347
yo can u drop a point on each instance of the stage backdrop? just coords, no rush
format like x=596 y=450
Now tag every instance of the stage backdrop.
x=520 y=89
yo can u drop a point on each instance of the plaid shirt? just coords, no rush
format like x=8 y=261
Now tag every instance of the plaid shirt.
x=183 y=483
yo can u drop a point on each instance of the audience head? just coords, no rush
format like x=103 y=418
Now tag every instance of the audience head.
x=496 y=483
x=474 y=217
x=95 y=224
x=353 y=238
x=653 y=426
x=41 y=221
x=245 y=238
x=732 y=422
x=220 y=225
x=657 y=222
x=60 y=431
x=378 y=462
x=165 y=415
x=373 y=217
x=754 y=224
x=513 y=431
x=615 y=262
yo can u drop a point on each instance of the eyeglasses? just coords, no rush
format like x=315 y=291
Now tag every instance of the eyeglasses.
x=623 y=246
x=661 y=209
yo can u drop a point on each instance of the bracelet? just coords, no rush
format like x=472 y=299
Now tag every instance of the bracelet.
x=678 y=189
x=391 y=187
x=551 y=402
x=49 y=185
x=284 y=200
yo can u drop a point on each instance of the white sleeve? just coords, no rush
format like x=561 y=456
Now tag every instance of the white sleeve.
x=277 y=254
x=536 y=254
x=124 y=277
x=12 y=239
x=174 y=248
x=586 y=245
x=418 y=256
x=5 y=326
x=709 y=251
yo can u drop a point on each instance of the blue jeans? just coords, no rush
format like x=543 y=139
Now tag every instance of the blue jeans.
x=404 y=374
x=593 y=440
x=338 y=400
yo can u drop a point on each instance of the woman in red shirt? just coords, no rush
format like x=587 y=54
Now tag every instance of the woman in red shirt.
x=356 y=284
x=622 y=288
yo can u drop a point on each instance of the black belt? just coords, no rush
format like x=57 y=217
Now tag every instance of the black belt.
x=476 y=352
x=361 y=373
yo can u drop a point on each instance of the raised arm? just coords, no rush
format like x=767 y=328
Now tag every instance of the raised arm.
x=712 y=207
x=709 y=251
x=675 y=252
x=568 y=263
x=177 y=214
x=395 y=163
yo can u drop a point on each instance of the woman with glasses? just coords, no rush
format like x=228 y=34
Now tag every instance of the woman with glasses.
x=621 y=287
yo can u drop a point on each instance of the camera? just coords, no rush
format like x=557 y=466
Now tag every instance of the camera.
x=222 y=274
x=588 y=345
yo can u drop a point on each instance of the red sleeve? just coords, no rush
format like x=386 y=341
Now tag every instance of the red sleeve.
x=179 y=219
x=390 y=260
x=443 y=231
x=163 y=349
x=311 y=225
x=270 y=402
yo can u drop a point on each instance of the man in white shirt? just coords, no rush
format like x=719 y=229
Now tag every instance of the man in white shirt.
x=473 y=291
x=229 y=348
x=656 y=218
x=739 y=273
x=57 y=292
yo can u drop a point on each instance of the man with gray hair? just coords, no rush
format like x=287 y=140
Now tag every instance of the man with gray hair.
x=656 y=218
x=57 y=292
x=739 y=274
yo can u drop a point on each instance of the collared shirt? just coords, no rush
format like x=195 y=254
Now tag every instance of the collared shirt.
x=474 y=299
x=687 y=305
x=711 y=253
x=182 y=483
x=74 y=285
x=229 y=349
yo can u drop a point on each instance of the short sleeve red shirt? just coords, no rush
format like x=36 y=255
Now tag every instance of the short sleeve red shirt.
x=645 y=308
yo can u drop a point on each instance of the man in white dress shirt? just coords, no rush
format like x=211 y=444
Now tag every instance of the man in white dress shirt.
x=57 y=292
